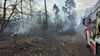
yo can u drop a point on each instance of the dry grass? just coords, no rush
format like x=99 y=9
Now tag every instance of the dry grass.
x=26 y=46
x=29 y=40
x=35 y=46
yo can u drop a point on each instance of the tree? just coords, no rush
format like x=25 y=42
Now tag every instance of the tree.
x=69 y=14
x=57 y=10
x=39 y=14
x=55 y=7
x=4 y=15
x=45 y=20
x=70 y=5
x=64 y=9
x=6 y=21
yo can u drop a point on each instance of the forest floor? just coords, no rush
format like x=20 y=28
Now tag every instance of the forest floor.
x=65 y=45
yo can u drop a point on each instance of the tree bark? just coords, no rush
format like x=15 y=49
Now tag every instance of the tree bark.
x=4 y=16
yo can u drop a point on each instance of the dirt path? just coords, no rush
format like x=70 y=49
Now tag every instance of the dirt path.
x=70 y=46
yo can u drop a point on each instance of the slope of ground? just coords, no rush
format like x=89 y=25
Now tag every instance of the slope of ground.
x=66 y=45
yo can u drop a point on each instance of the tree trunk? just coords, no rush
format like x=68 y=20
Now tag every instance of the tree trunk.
x=4 y=17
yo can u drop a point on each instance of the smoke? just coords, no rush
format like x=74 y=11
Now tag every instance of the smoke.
x=25 y=24
x=71 y=22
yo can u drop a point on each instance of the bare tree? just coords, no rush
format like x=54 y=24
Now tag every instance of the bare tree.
x=4 y=15
x=6 y=21
x=45 y=22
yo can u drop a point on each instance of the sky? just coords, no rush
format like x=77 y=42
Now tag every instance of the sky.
x=81 y=6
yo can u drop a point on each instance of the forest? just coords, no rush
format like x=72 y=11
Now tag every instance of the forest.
x=24 y=18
